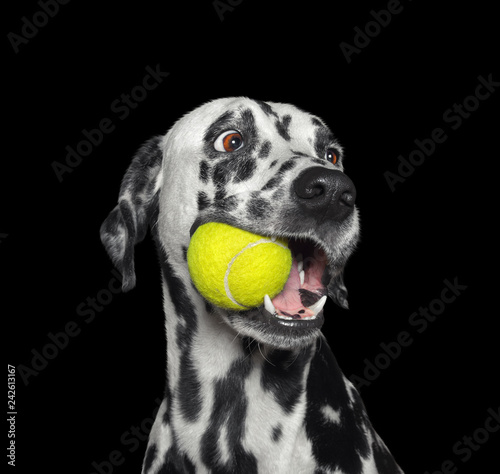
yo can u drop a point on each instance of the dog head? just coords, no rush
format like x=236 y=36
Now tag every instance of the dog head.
x=264 y=167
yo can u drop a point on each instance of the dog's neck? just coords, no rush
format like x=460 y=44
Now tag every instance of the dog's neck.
x=223 y=390
x=234 y=404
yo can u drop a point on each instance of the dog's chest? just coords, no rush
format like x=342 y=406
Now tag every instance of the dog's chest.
x=275 y=429
x=252 y=418
x=282 y=413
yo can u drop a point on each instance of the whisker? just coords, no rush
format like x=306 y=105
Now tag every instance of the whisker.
x=296 y=357
x=265 y=358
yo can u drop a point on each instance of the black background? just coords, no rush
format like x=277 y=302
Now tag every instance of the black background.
x=437 y=225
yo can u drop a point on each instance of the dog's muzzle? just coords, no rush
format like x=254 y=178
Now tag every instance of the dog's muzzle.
x=321 y=198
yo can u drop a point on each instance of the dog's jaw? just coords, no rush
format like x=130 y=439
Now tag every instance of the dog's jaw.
x=293 y=319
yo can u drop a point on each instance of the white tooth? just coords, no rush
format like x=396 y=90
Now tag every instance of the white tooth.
x=280 y=316
x=300 y=262
x=268 y=304
x=273 y=239
x=301 y=276
x=318 y=306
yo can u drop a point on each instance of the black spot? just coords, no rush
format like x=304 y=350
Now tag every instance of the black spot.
x=220 y=195
x=342 y=445
x=245 y=170
x=283 y=126
x=278 y=178
x=249 y=129
x=229 y=409
x=220 y=175
x=150 y=457
x=319 y=161
x=227 y=204
x=184 y=252
x=203 y=201
x=283 y=376
x=221 y=124
x=273 y=164
x=287 y=166
x=208 y=307
x=249 y=345
x=298 y=153
x=257 y=208
x=277 y=432
x=189 y=383
x=265 y=149
x=273 y=182
x=322 y=139
x=268 y=110
x=317 y=122
x=204 y=171
x=176 y=462
x=308 y=297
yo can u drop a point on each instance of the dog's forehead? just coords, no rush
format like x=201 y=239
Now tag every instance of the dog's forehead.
x=225 y=112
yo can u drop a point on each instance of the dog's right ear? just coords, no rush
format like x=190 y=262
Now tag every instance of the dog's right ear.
x=127 y=224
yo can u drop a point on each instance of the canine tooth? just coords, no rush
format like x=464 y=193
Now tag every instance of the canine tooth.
x=318 y=306
x=273 y=239
x=300 y=262
x=301 y=276
x=268 y=304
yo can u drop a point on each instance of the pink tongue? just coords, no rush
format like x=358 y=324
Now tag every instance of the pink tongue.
x=289 y=298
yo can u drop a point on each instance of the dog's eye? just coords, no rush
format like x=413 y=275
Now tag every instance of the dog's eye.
x=228 y=141
x=331 y=155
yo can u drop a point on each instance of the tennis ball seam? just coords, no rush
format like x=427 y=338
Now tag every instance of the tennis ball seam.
x=230 y=264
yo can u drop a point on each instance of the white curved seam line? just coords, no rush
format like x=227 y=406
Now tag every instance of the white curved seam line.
x=230 y=264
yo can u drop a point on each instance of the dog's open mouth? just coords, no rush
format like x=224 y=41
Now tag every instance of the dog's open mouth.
x=304 y=294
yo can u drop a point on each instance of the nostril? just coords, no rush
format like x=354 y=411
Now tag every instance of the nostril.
x=347 y=198
x=310 y=190
x=317 y=191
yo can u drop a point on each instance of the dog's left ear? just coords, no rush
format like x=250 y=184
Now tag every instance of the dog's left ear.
x=127 y=224
x=337 y=290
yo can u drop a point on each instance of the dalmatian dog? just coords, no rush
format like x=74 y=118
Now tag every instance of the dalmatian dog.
x=255 y=391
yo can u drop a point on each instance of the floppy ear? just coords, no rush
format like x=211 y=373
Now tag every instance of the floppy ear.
x=127 y=224
x=337 y=290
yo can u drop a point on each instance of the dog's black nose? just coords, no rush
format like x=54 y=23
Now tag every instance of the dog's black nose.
x=324 y=193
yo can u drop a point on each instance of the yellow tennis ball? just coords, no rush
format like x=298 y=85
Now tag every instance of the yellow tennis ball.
x=235 y=269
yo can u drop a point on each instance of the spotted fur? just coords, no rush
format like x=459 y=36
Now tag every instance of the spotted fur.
x=248 y=392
